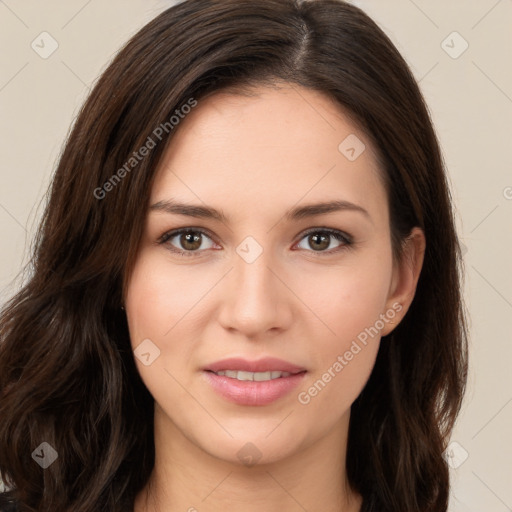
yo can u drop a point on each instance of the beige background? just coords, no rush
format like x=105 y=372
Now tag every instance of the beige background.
x=470 y=98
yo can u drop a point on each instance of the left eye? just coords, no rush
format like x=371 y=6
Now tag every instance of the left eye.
x=319 y=237
x=191 y=240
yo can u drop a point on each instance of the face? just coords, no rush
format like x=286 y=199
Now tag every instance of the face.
x=264 y=278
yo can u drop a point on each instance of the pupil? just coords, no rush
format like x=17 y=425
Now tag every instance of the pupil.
x=190 y=238
x=325 y=239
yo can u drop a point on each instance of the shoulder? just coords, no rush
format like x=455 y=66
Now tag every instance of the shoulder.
x=11 y=507
x=7 y=504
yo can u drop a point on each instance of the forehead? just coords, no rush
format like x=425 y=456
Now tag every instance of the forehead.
x=268 y=151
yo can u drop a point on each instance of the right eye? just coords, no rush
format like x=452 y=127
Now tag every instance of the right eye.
x=190 y=239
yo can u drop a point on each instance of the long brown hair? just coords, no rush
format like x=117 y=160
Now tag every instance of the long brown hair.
x=67 y=373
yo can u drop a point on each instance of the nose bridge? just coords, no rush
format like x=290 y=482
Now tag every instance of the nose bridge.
x=253 y=279
x=254 y=299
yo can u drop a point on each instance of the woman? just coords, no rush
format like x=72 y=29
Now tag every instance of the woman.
x=246 y=288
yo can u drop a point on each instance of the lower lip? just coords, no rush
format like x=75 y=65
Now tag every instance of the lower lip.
x=248 y=392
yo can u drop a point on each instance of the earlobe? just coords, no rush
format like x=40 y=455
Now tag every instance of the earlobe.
x=406 y=274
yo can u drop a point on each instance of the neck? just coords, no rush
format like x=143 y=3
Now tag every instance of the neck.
x=187 y=478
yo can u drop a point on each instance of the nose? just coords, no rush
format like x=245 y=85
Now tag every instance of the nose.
x=255 y=298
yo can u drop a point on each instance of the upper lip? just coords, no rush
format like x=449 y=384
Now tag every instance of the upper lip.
x=261 y=365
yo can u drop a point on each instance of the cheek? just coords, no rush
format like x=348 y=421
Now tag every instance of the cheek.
x=344 y=357
x=157 y=298
x=348 y=299
x=349 y=304
x=158 y=305
x=158 y=309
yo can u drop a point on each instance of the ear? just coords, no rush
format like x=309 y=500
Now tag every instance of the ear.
x=405 y=277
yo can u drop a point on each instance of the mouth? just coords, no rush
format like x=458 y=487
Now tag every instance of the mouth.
x=253 y=383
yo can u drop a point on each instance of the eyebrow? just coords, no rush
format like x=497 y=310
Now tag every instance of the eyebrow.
x=294 y=214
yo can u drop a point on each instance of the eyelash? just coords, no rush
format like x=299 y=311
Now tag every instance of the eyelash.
x=338 y=235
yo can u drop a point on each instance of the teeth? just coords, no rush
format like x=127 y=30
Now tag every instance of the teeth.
x=255 y=376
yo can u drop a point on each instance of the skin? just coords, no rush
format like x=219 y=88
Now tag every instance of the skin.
x=254 y=158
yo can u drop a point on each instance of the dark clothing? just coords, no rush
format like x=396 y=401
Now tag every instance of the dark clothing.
x=7 y=504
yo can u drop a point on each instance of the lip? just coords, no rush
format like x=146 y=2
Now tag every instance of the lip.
x=261 y=365
x=255 y=393
x=248 y=392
